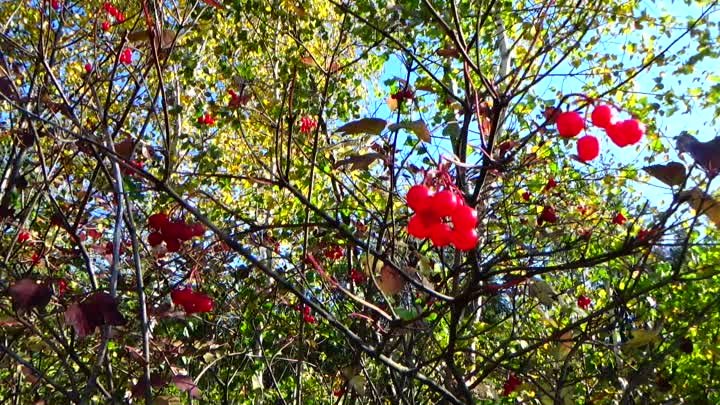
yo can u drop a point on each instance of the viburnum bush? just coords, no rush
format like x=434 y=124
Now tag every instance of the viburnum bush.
x=327 y=202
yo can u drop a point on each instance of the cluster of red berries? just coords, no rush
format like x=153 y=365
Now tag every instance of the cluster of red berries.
x=622 y=133
x=431 y=210
x=584 y=302
x=191 y=301
x=206 y=119
x=126 y=56
x=334 y=252
x=402 y=95
x=306 y=310
x=173 y=233
x=307 y=124
x=114 y=12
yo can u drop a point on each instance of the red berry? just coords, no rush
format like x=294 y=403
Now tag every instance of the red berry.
x=155 y=238
x=633 y=130
x=569 y=124
x=584 y=302
x=120 y=17
x=23 y=237
x=106 y=26
x=357 y=276
x=185 y=232
x=417 y=227
x=173 y=245
x=464 y=217
x=465 y=239
x=588 y=148
x=55 y=4
x=440 y=234
x=603 y=116
x=443 y=203
x=418 y=198
x=551 y=184
x=158 y=221
x=126 y=56
x=619 y=219
x=88 y=68
x=526 y=196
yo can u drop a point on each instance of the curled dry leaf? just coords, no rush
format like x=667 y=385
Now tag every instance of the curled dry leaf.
x=165 y=39
x=418 y=127
x=28 y=293
x=672 y=174
x=703 y=203
x=390 y=281
x=448 y=52
x=706 y=154
x=372 y=126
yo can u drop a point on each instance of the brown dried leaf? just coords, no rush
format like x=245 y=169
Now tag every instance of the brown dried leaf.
x=418 y=127
x=359 y=162
x=672 y=174
x=364 y=126
x=448 y=52
x=703 y=203
x=390 y=281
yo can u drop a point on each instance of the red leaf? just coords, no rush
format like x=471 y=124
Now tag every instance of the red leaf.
x=185 y=383
x=75 y=317
x=27 y=293
x=214 y=4
x=99 y=309
x=157 y=381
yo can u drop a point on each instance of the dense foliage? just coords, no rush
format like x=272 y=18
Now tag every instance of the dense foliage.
x=207 y=202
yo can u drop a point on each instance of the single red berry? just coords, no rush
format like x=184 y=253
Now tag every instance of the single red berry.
x=357 y=276
x=109 y=8
x=569 y=124
x=35 y=259
x=185 y=232
x=633 y=130
x=547 y=215
x=309 y=319
x=88 y=68
x=126 y=56
x=418 y=198
x=443 y=203
x=106 y=26
x=551 y=184
x=23 y=237
x=416 y=227
x=464 y=217
x=55 y=4
x=588 y=148
x=339 y=392
x=603 y=116
x=619 y=219
x=440 y=234
x=526 y=196
x=155 y=238
x=584 y=302
x=173 y=245
x=158 y=221
x=617 y=134
x=464 y=239
x=120 y=17
x=62 y=286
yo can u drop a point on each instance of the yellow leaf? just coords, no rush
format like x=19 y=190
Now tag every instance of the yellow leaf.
x=358 y=384
x=364 y=126
x=642 y=337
